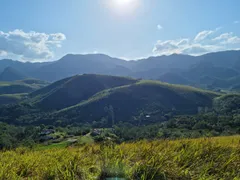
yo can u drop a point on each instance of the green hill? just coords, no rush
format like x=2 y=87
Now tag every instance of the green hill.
x=149 y=99
x=14 y=87
x=103 y=101
x=228 y=104
x=10 y=92
x=21 y=86
x=70 y=91
x=35 y=83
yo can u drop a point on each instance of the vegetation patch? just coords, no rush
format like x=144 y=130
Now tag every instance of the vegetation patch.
x=204 y=158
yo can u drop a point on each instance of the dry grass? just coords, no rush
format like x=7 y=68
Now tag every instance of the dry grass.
x=204 y=158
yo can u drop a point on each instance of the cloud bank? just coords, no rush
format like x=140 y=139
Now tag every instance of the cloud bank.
x=204 y=42
x=29 y=46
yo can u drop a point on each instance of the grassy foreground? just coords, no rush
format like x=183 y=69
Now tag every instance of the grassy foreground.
x=204 y=158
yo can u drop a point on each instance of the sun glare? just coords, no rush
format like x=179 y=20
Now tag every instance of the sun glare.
x=123 y=2
x=123 y=7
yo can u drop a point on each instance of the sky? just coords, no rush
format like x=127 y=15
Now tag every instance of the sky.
x=45 y=30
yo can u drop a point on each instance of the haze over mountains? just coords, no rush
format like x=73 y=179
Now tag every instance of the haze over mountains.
x=213 y=70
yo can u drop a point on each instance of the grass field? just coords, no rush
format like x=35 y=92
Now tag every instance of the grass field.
x=204 y=158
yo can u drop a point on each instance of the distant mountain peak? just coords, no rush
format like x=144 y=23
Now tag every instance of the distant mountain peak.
x=11 y=74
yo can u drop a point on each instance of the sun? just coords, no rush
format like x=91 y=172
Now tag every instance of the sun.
x=123 y=7
x=123 y=2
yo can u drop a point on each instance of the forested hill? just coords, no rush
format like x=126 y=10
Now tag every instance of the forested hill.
x=15 y=91
x=92 y=98
x=151 y=99
x=72 y=90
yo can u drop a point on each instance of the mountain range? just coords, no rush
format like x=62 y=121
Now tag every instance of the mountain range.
x=212 y=71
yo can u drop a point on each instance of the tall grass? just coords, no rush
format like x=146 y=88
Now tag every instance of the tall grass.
x=205 y=158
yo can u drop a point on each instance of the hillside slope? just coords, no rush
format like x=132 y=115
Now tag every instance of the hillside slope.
x=228 y=104
x=13 y=88
x=12 y=92
x=149 y=99
x=103 y=101
x=203 y=158
x=21 y=86
x=70 y=91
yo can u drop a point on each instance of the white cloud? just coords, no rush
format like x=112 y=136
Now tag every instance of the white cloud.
x=235 y=22
x=159 y=27
x=233 y=40
x=30 y=46
x=3 y=53
x=203 y=35
x=223 y=36
x=166 y=47
x=228 y=38
x=182 y=42
x=203 y=42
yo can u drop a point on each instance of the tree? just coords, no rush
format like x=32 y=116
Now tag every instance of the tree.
x=110 y=112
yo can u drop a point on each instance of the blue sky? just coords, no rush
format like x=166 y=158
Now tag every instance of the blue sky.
x=43 y=30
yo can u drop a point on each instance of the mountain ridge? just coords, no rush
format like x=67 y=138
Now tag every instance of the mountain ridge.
x=11 y=74
x=221 y=65
x=75 y=89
